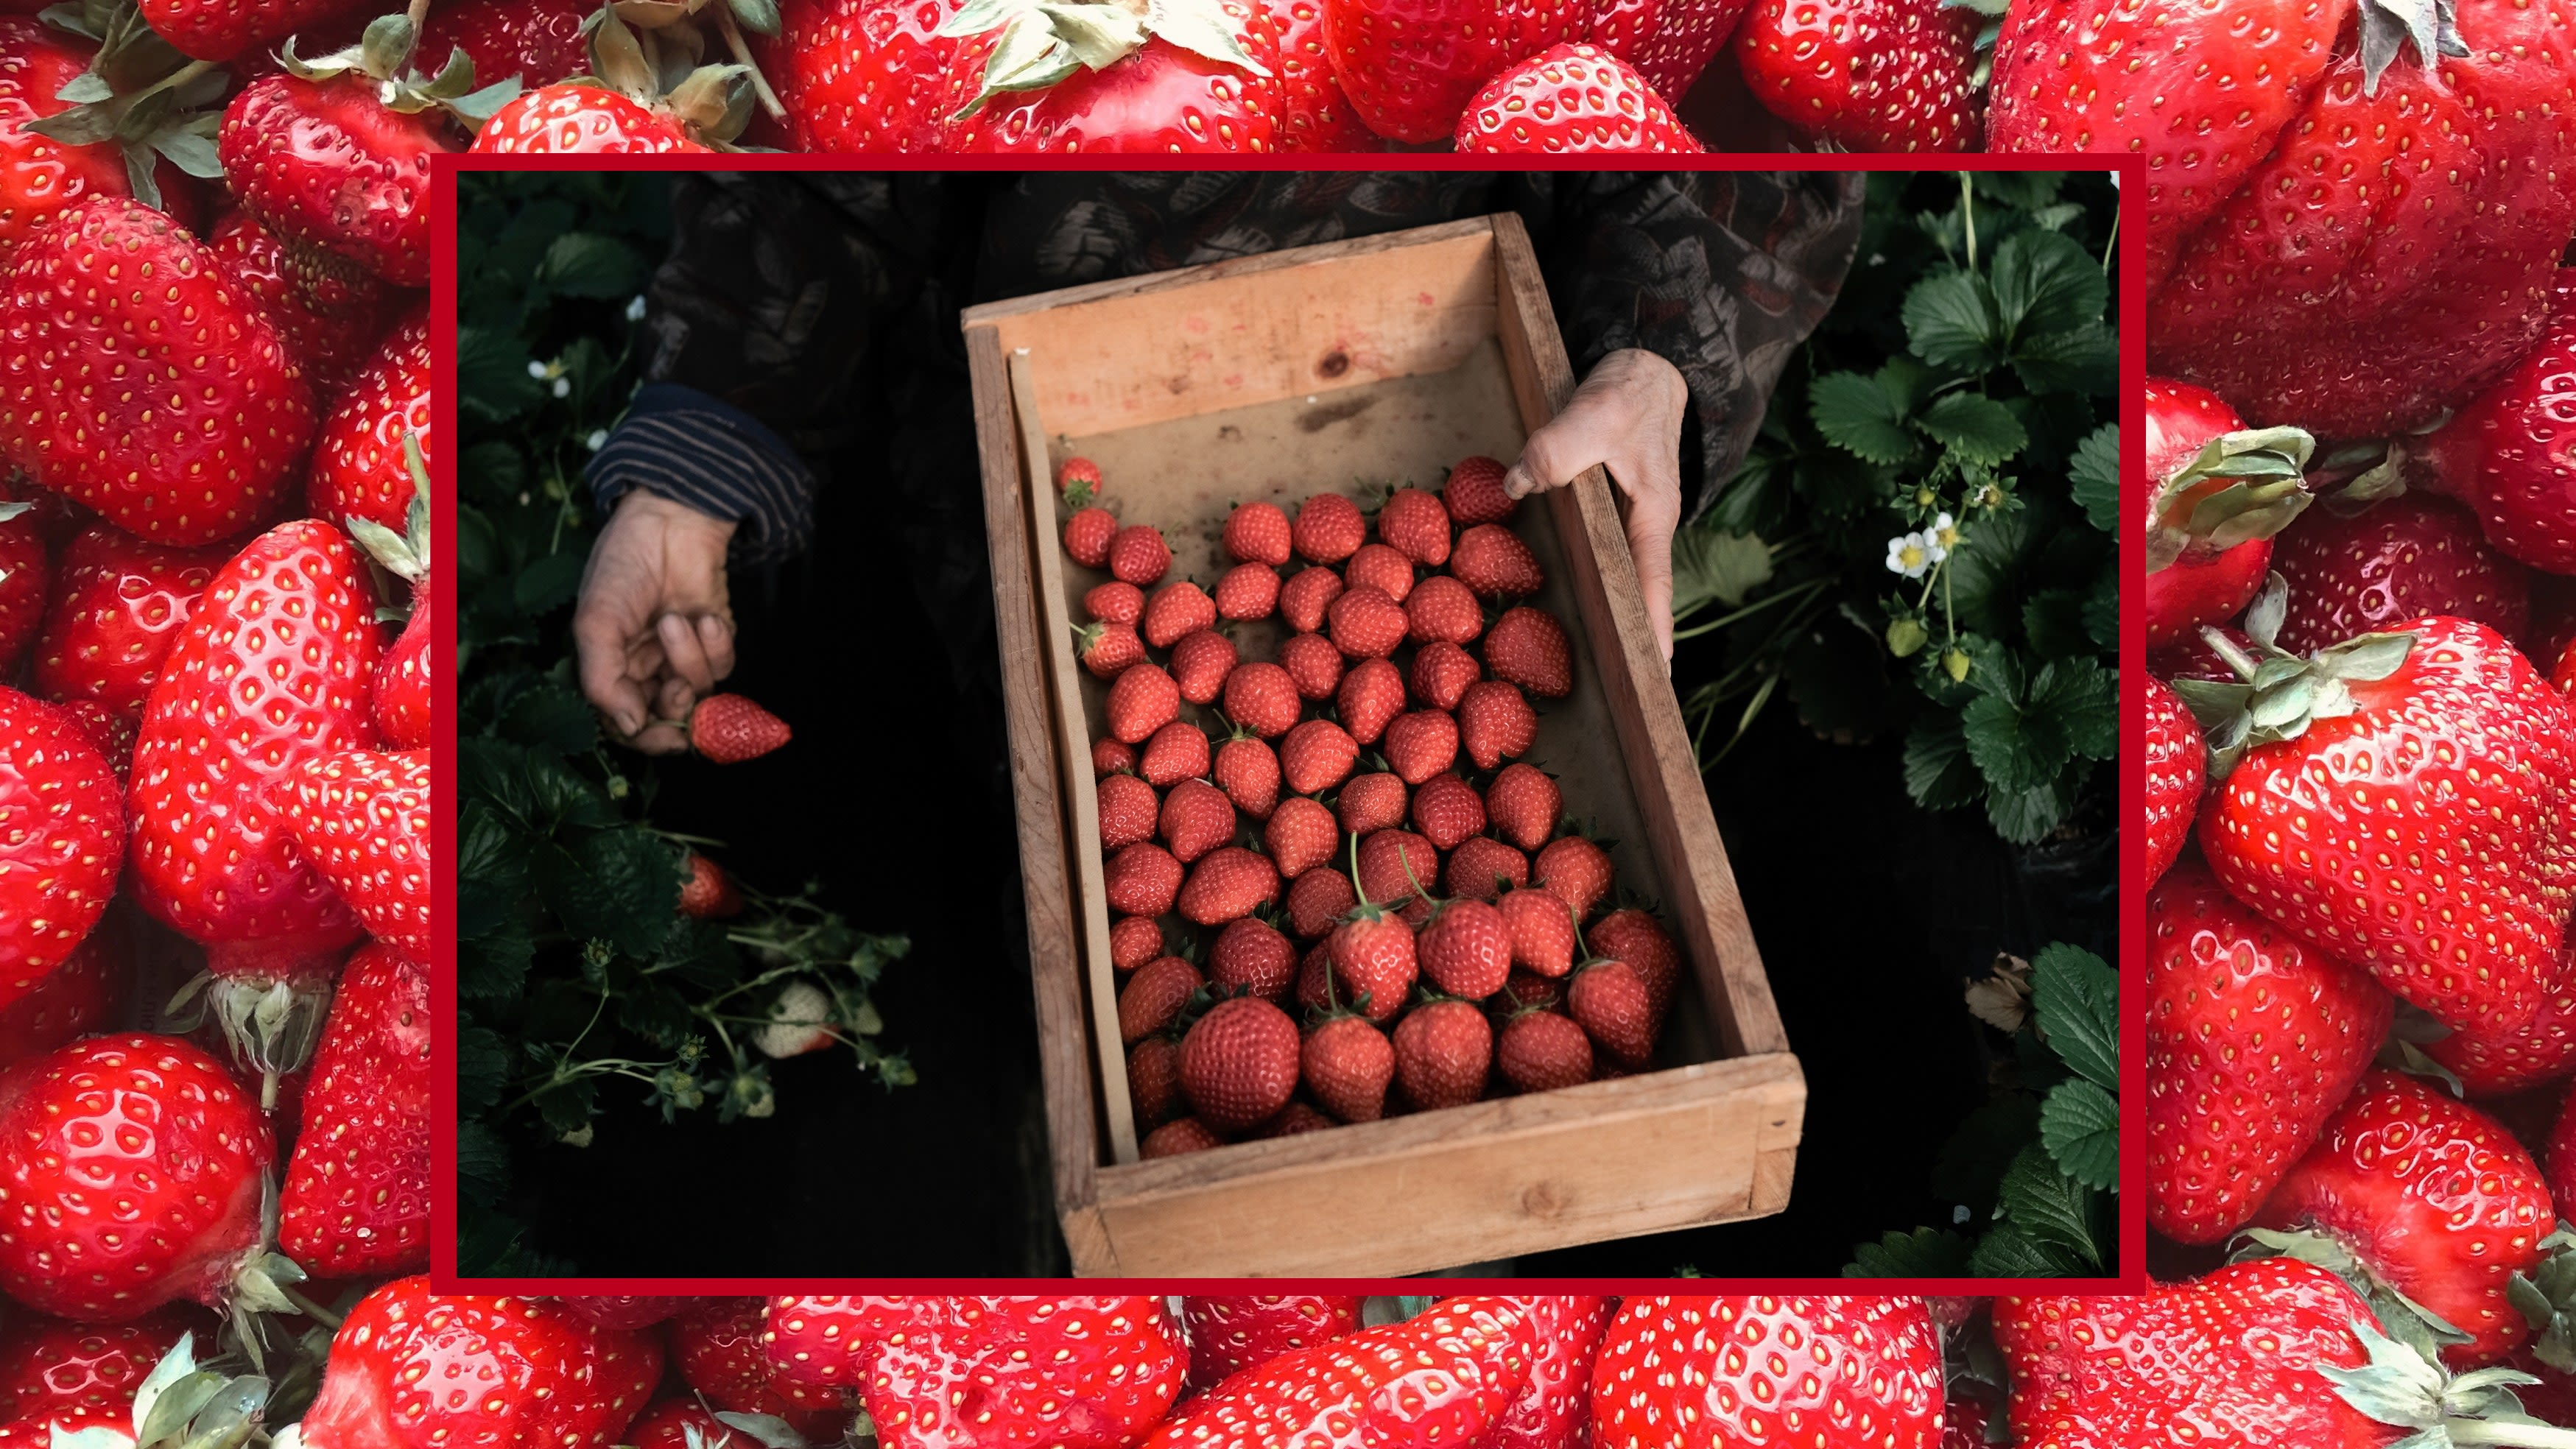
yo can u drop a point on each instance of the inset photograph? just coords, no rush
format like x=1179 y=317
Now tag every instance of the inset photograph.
x=1306 y=724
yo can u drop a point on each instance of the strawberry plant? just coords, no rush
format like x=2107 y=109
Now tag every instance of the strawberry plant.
x=1921 y=539
x=585 y=977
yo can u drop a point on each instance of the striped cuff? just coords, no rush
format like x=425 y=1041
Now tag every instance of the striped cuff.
x=678 y=443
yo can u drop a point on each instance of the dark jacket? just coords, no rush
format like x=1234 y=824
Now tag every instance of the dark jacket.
x=802 y=317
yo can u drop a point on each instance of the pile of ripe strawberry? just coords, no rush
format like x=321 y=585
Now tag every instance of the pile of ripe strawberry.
x=1466 y=956
x=216 y=712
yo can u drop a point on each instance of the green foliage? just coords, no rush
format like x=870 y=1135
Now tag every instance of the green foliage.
x=2035 y=1171
x=1961 y=393
x=579 y=983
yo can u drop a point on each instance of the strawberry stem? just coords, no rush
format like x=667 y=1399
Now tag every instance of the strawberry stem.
x=742 y=54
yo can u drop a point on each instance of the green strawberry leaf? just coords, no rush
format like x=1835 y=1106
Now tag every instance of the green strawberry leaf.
x=2016 y=747
x=1938 y=773
x=2083 y=360
x=1922 y=1253
x=2006 y=1252
x=2102 y=610
x=552 y=716
x=492 y=380
x=2044 y=283
x=1856 y=414
x=2084 y=699
x=2077 y=1000
x=482 y=1070
x=1974 y=426
x=2080 y=1125
x=1953 y=321
x=585 y=264
x=1710 y=564
x=2055 y=621
x=2050 y=1208
x=615 y=885
x=2094 y=475
x=548 y=583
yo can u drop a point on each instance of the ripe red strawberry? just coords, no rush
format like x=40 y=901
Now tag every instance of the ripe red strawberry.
x=1366 y=623
x=1377 y=566
x=2176 y=772
x=389 y=1383
x=1206 y=81
x=1420 y=744
x=40 y=174
x=1540 y=1051
x=1142 y=700
x=195 y=1175
x=1372 y=954
x=1248 y=772
x=1229 y=1335
x=1107 y=648
x=708 y=893
x=1575 y=870
x=362 y=818
x=1495 y=722
x=1482 y=868
x=1371 y=803
x=1447 y=810
x=1115 y=602
x=1555 y=1408
x=1138 y=555
x=1527 y=990
x=537 y=42
x=2213 y=493
x=1571 y=100
x=1524 y=804
x=1196 y=819
x=2415 y=322
x=1318 y=118
x=1865 y=1371
x=48 y=1365
x=1176 y=752
x=580 y=119
x=1257 y=533
x=1087 y=1373
x=2432 y=1200
x=62 y=827
x=1527 y=647
x=1263 y=699
x=2228 y=1107
x=330 y=312
x=865 y=75
x=1154 y=996
x=1141 y=880
x=1248 y=591
x=1174 y=1138
x=1111 y=756
x=1443 y=1051
x=1474 y=493
x=2242 y=1345
x=86 y=993
x=1414 y=523
x=220 y=34
x=1087 y=536
x=1230 y=882
x=1444 y=1378
x=1300 y=836
x=269 y=673
x=1239 y=1063
x=1293 y=1119
x=1133 y=941
x=1313 y=664
x=1542 y=930
x=1317 y=902
x=1078 y=479
x=1443 y=609
x=118 y=605
x=1129 y=810
x=1370 y=695
x=1305 y=597
x=1316 y=756
x=1872 y=75
x=1391 y=862
x=1328 y=529
x=729 y=729
x=1347 y=1064
x=358 y=465
x=1175 y=609
x=2398 y=559
x=2501 y=453
x=76 y=314
x=1632 y=936
x=1492 y=561
x=1251 y=956
x=1464 y=949
x=1154 y=1081
x=683 y=1424
x=2478 y=819
x=1442 y=673
x=1201 y=660
x=1608 y=999
x=2544 y=1049
x=356 y=1199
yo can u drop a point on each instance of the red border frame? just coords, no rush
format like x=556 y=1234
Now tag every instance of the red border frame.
x=2133 y=372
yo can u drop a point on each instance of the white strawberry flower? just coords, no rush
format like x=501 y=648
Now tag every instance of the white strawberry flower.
x=1944 y=533
x=1910 y=554
x=635 y=308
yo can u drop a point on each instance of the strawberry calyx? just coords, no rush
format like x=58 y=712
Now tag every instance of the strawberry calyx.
x=2546 y=1298
x=270 y=1022
x=2277 y=694
x=185 y=1404
x=139 y=92
x=2419 y=1329
x=2404 y=1387
x=1046 y=41
x=2239 y=487
x=640 y=50
x=383 y=59
x=405 y=555
x=2386 y=25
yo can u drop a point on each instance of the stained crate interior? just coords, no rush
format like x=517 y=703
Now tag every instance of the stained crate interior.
x=1184 y=474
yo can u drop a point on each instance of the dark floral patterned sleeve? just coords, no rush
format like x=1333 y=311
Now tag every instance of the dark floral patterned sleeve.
x=1722 y=273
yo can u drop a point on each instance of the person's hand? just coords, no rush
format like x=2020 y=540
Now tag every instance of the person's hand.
x=1626 y=416
x=654 y=627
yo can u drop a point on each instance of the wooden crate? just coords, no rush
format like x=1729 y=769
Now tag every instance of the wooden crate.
x=1277 y=376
